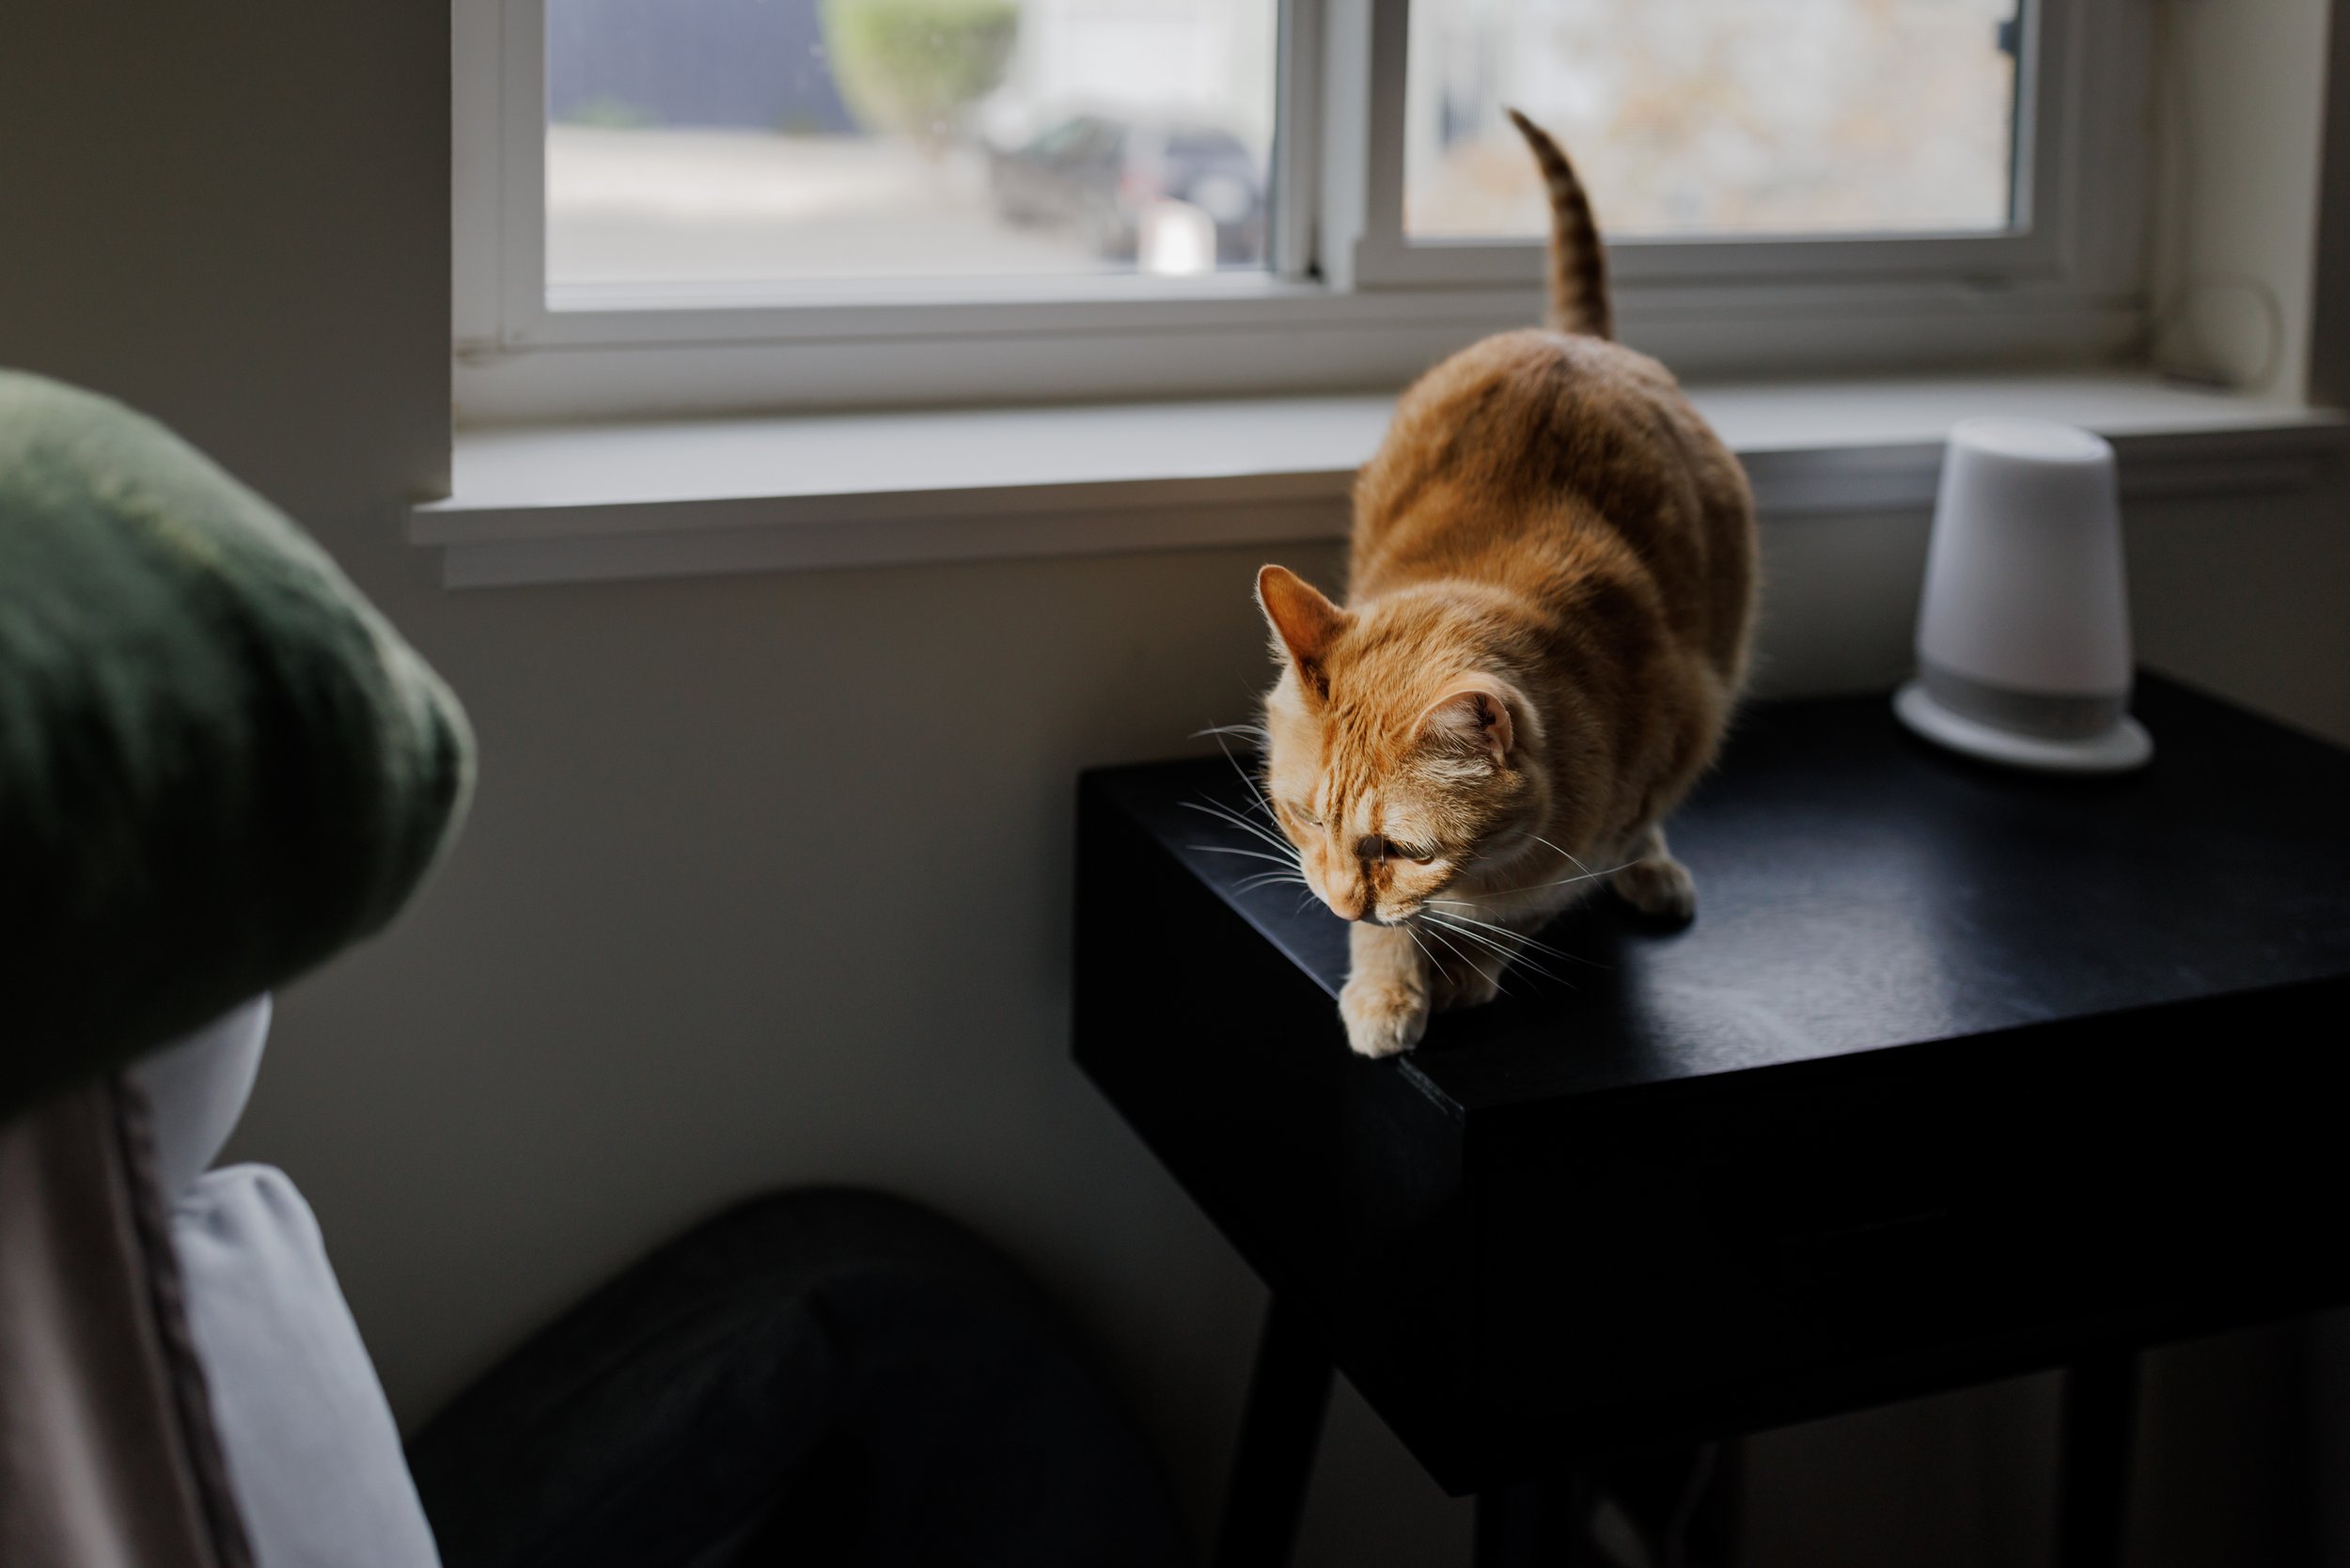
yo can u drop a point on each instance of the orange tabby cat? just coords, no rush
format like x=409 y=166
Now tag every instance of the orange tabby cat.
x=1550 y=588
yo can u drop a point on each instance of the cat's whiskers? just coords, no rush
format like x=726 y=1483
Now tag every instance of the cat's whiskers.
x=1571 y=858
x=1465 y=958
x=1226 y=815
x=1479 y=938
x=1238 y=819
x=1263 y=737
x=1413 y=923
x=1248 y=784
x=1543 y=948
x=1251 y=854
x=1514 y=956
x=1280 y=852
x=1569 y=853
x=1539 y=886
x=1514 y=936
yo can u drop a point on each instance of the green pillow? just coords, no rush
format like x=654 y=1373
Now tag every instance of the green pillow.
x=218 y=764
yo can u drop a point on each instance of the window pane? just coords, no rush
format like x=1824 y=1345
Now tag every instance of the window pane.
x=750 y=142
x=1715 y=117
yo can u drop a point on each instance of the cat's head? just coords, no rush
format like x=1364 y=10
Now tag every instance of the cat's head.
x=1400 y=761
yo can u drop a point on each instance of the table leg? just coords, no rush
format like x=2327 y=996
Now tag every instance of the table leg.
x=1535 y=1524
x=1288 y=1394
x=2100 y=1413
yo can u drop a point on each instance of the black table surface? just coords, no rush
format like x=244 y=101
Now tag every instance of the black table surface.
x=1959 y=1072
x=1860 y=890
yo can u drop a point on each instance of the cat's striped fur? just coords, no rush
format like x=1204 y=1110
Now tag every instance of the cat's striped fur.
x=1549 y=596
x=1577 y=262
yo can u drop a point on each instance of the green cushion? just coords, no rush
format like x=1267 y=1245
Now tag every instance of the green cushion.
x=218 y=764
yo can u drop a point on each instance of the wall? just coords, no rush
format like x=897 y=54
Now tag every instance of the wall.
x=2239 y=117
x=766 y=880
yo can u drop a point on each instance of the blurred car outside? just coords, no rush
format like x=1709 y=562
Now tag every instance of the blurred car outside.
x=1108 y=178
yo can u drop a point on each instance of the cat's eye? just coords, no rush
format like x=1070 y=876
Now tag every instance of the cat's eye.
x=1394 y=850
x=1305 y=816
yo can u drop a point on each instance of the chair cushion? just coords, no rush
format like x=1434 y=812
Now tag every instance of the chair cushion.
x=107 y=1453
x=197 y=1088
x=819 y=1377
x=218 y=764
x=313 y=1454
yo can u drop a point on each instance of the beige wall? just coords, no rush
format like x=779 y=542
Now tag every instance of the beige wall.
x=2239 y=123
x=766 y=883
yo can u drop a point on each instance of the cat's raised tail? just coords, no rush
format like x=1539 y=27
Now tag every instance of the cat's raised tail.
x=1578 y=264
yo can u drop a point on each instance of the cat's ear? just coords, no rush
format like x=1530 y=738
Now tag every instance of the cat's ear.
x=1473 y=717
x=1302 y=621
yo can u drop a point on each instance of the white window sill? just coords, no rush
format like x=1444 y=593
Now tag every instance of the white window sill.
x=587 y=502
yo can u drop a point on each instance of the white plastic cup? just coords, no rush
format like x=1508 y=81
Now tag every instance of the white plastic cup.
x=2024 y=627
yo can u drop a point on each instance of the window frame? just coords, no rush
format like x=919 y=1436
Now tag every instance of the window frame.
x=1345 y=303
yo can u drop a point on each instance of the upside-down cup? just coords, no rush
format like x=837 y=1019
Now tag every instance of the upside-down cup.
x=2024 y=628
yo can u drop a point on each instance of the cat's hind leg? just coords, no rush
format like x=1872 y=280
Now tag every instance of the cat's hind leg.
x=1654 y=881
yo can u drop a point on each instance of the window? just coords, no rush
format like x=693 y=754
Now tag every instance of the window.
x=764 y=144
x=677 y=204
x=1717 y=116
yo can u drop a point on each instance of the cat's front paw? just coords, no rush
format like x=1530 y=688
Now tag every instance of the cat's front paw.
x=1382 y=1016
x=1660 y=888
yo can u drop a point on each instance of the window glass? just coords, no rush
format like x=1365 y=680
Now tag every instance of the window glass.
x=756 y=142
x=1716 y=116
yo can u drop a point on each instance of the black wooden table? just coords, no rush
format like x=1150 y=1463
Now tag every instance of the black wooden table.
x=1960 y=1073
